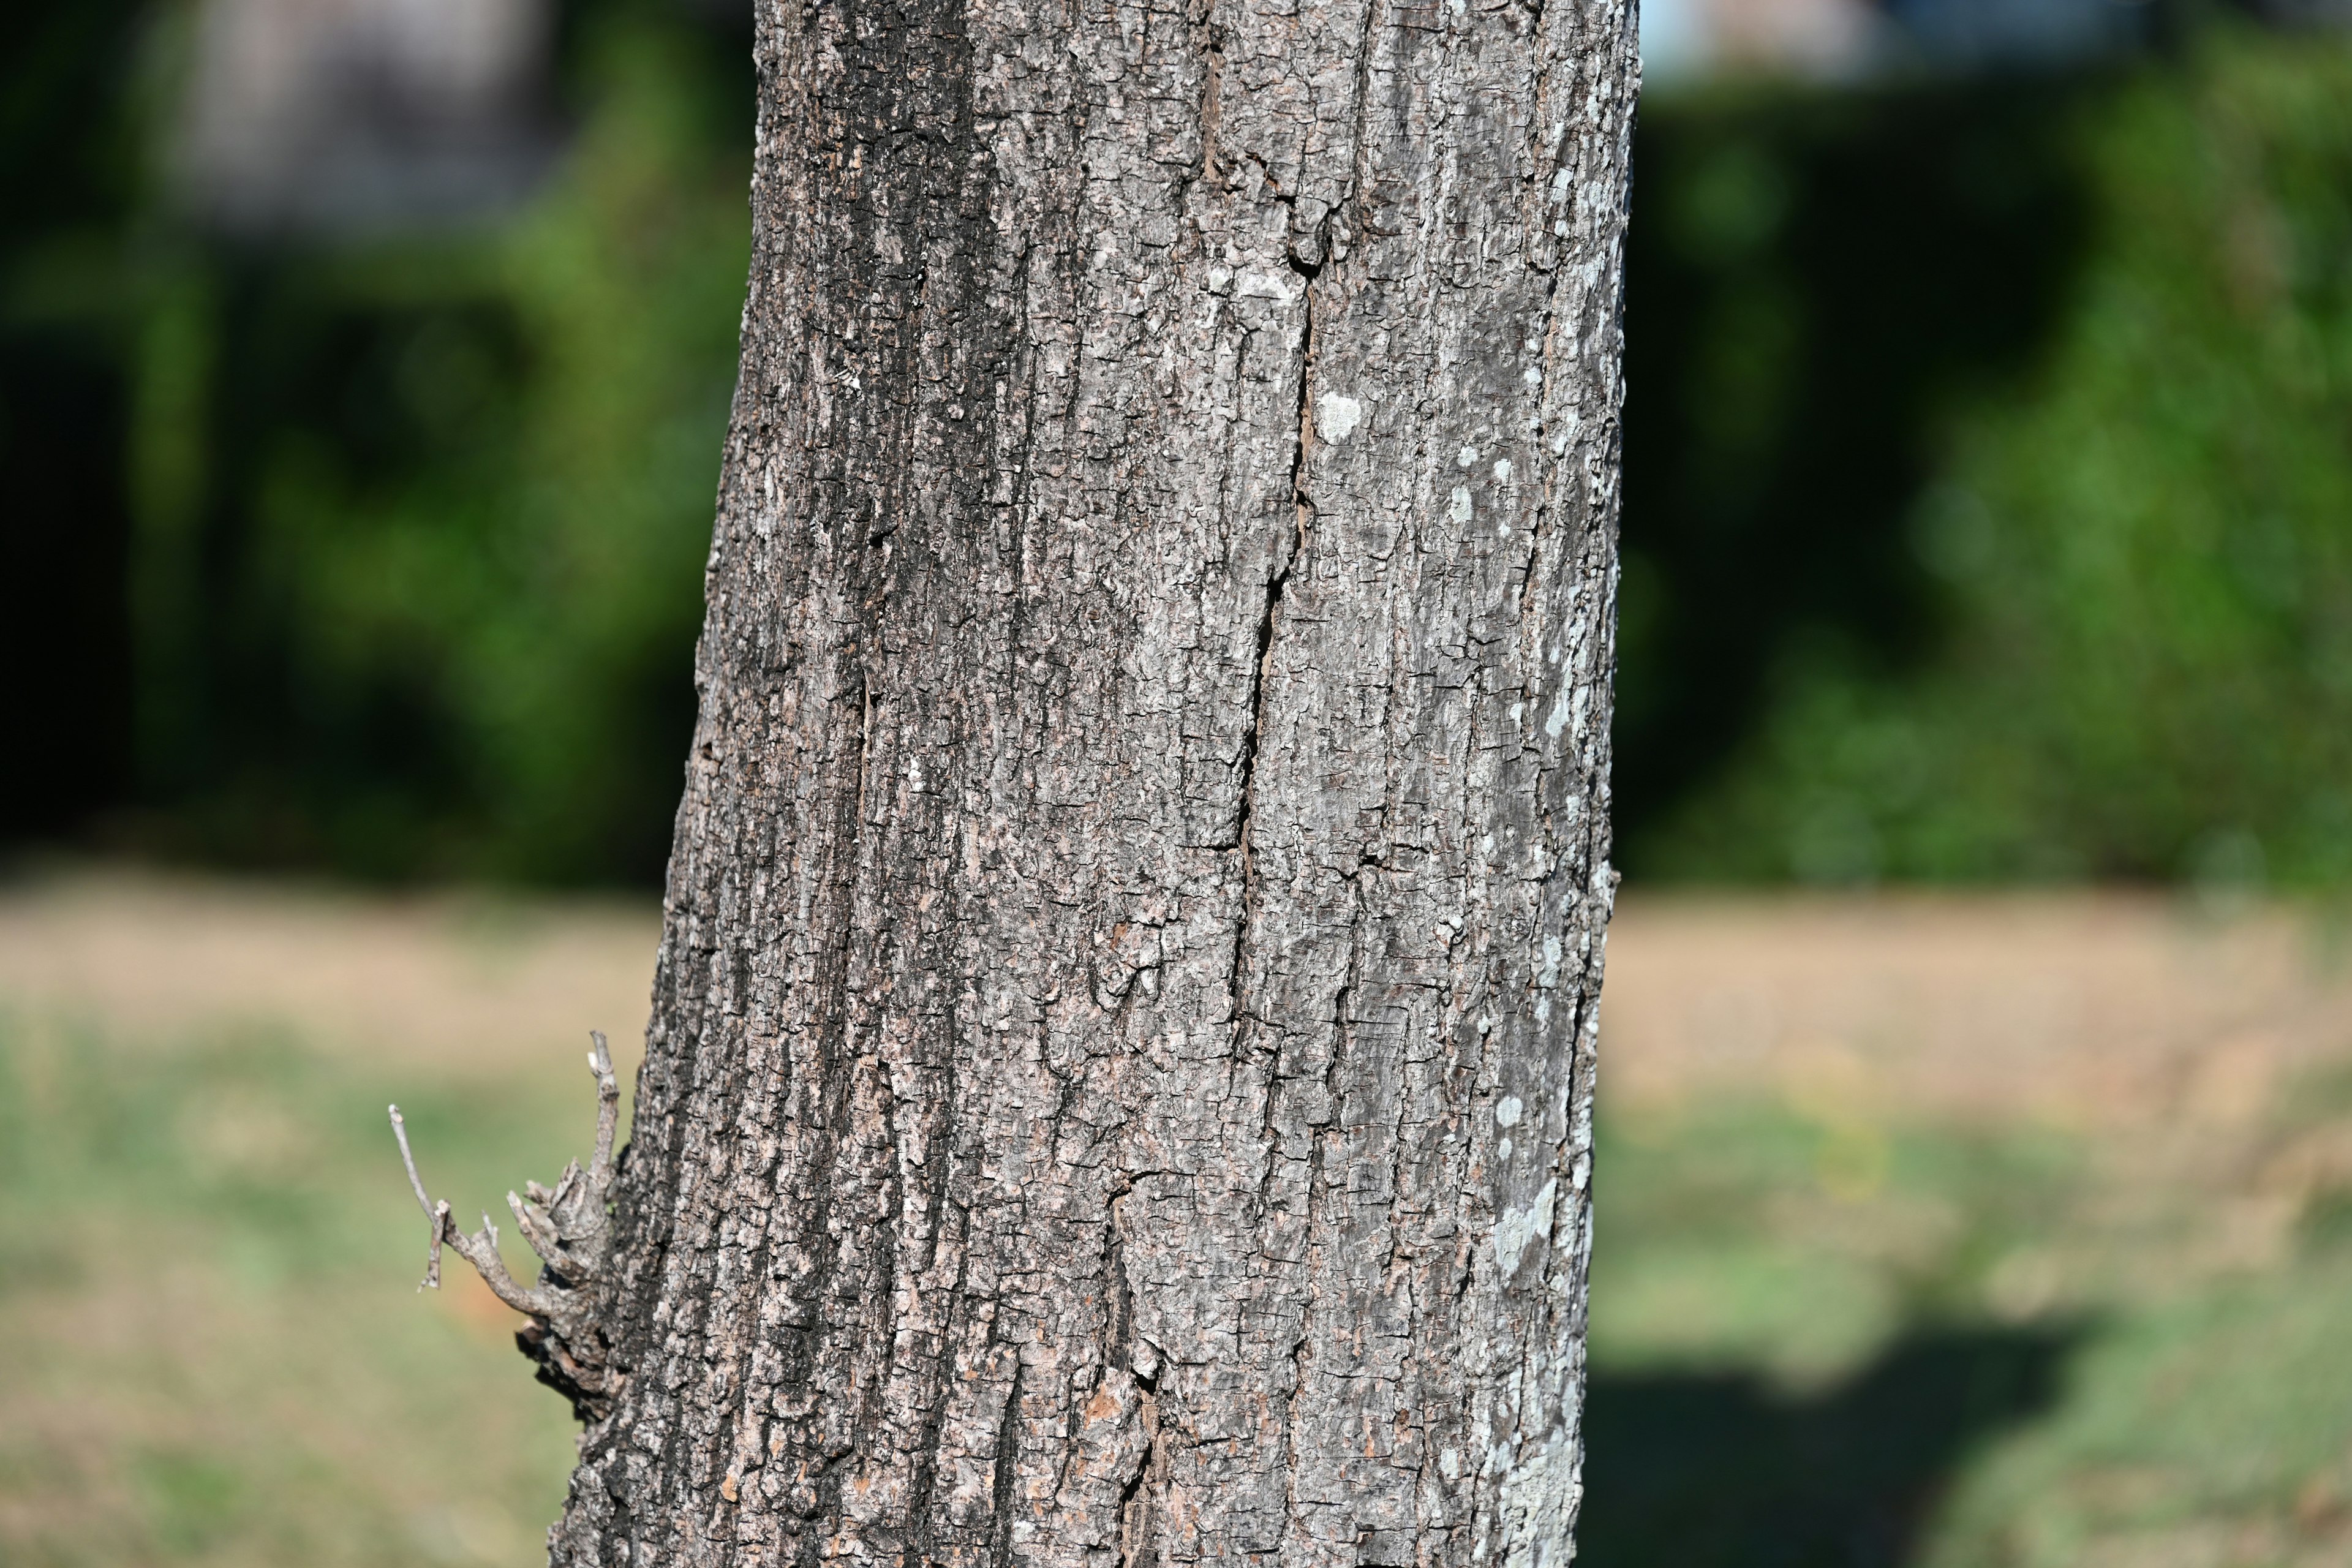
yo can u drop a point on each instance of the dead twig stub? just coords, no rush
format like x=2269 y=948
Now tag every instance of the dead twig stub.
x=570 y=1227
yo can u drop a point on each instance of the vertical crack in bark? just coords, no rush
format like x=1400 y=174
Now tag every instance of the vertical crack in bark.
x=1318 y=1132
x=1134 y=1505
x=1305 y=509
x=1008 y=1455
x=1134 y=1512
x=1352 y=206
x=1212 y=60
x=919 y=1520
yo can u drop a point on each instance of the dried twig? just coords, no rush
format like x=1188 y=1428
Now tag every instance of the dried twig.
x=570 y=1230
x=436 y=1217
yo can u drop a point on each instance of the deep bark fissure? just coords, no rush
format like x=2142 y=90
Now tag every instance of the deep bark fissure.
x=1135 y=1511
x=927 y=1466
x=1320 y=1136
x=1001 y=1473
x=1276 y=581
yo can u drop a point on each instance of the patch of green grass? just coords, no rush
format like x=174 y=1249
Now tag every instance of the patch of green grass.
x=1828 y=1340
x=2216 y=1429
x=208 y=1260
x=1821 y=1333
x=193 y=1501
x=1752 y=1234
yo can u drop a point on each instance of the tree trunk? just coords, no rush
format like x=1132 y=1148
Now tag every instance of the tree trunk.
x=1119 y=1081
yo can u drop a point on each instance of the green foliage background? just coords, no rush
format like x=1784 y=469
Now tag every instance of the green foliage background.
x=477 y=557
x=414 y=522
x=1989 y=458
x=2138 y=552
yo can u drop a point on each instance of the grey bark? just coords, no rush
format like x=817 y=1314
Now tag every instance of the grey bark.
x=1119 y=1081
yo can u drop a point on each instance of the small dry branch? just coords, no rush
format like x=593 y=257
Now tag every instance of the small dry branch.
x=570 y=1229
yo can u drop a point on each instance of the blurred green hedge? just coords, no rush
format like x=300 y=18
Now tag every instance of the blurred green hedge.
x=466 y=493
x=1988 y=455
x=414 y=522
x=2132 y=557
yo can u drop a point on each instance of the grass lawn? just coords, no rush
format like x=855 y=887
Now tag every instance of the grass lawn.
x=1935 y=1231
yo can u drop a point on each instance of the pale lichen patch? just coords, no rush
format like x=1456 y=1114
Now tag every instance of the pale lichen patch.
x=1336 y=416
x=1518 y=1230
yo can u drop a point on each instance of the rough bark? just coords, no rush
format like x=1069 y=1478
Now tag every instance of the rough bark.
x=1119 y=1081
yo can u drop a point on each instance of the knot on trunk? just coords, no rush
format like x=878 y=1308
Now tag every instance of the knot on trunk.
x=571 y=1228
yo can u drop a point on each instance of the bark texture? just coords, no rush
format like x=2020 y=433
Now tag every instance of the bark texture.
x=1120 y=1082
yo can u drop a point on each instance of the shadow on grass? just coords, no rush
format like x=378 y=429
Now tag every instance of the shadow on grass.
x=1711 y=1470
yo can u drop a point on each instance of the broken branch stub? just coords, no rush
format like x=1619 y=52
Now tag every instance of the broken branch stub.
x=570 y=1228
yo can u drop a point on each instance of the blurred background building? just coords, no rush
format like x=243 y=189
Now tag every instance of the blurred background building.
x=322 y=114
x=1683 y=38
x=1846 y=38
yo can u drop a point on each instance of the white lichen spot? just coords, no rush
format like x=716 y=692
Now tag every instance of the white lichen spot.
x=1534 y=375
x=1518 y=708
x=1466 y=457
x=1518 y=1230
x=1508 y=1112
x=1336 y=417
x=1503 y=470
x=1503 y=1150
x=1562 y=711
x=1459 y=505
x=1449 y=1463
